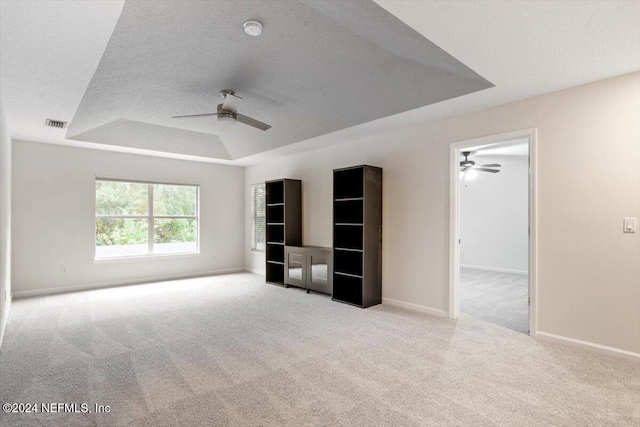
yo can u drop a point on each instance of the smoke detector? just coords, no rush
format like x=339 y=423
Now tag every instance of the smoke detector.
x=253 y=28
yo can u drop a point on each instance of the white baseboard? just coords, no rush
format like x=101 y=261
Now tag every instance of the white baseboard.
x=589 y=345
x=415 y=307
x=254 y=271
x=4 y=321
x=496 y=269
x=49 y=291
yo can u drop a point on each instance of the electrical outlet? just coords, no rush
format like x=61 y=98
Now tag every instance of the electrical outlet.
x=63 y=270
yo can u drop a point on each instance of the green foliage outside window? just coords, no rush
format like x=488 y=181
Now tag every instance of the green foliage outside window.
x=174 y=200
x=174 y=230
x=116 y=231
x=115 y=198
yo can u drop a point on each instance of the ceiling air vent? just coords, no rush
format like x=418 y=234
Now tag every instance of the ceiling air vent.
x=56 y=123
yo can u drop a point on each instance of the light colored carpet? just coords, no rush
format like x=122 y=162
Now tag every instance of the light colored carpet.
x=231 y=350
x=500 y=298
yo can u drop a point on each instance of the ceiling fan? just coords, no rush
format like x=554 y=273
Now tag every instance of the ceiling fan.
x=468 y=168
x=228 y=112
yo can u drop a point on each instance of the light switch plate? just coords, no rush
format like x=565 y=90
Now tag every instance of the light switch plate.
x=629 y=225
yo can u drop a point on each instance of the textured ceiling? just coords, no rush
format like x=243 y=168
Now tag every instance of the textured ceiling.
x=317 y=68
x=50 y=50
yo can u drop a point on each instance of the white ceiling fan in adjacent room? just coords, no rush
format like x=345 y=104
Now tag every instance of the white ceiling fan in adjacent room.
x=469 y=169
x=228 y=112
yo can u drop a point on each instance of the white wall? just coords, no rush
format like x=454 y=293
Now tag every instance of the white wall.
x=494 y=216
x=54 y=217
x=5 y=222
x=588 y=270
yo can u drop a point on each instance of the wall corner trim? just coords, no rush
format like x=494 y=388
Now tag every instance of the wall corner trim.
x=612 y=351
x=65 y=289
x=4 y=321
x=415 y=307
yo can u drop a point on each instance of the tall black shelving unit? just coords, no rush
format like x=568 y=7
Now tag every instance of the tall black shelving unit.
x=357 y=235
x=284 y=224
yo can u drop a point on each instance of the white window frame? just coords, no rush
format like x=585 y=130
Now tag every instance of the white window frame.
x=254 y=215
x=150 y=217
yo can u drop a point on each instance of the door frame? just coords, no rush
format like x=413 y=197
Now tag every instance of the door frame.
x=454 y=230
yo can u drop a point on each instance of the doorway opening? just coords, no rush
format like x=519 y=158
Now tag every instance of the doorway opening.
x=492 y=236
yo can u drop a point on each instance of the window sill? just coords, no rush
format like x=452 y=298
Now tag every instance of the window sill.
x=144 y=257
x=257 y=250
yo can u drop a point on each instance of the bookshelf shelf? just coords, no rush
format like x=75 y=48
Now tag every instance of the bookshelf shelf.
x=284 y=224
x=357 y=235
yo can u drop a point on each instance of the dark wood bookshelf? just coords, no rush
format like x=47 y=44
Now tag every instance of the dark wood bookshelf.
x=357 y=235
x=284 y=224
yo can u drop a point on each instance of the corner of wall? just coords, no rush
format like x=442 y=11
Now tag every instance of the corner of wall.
x=4 y=320
x=5 y=222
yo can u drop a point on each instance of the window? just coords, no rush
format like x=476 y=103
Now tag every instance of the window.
x=140 y=218
x=258 y=216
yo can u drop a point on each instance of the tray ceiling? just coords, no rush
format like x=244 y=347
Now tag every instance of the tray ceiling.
x=318 y=67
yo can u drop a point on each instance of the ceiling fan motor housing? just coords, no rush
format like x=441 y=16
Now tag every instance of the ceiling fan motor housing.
x=226 y=117
x=466 y=162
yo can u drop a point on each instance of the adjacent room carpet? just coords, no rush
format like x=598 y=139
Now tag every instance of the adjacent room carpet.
x=500 y=298
x=232 y=350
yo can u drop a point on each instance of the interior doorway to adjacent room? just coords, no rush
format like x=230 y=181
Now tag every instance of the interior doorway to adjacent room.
x=493 y=218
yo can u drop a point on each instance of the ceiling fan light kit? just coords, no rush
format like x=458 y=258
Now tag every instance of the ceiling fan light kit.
x=470 y=175
x=226 y=119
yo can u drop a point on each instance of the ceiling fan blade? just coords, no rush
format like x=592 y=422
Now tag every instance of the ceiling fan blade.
x=231 y=102
x=194 y=115
x=492 y=165
x=487 y=170
x=252 y=122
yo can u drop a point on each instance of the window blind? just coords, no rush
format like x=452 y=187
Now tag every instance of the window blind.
x=258 y=216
